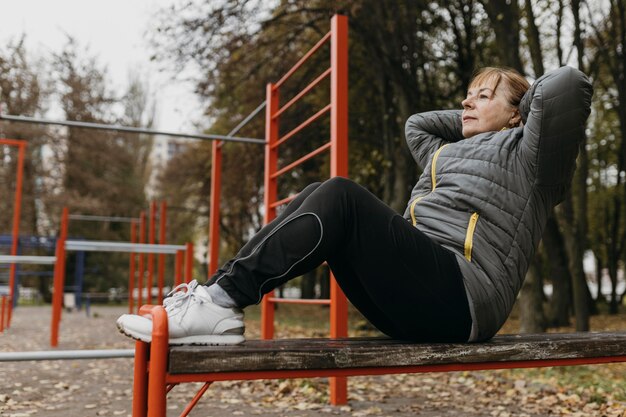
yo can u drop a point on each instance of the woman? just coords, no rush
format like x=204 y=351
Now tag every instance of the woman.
x=451 y=268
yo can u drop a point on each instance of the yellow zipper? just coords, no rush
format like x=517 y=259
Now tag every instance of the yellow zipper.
x=433 y=169
x=413 y=219
x=469 y=236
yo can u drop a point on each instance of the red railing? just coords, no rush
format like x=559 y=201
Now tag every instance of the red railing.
x=17 y=211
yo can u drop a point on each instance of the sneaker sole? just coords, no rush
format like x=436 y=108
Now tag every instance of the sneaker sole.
x=204 y=340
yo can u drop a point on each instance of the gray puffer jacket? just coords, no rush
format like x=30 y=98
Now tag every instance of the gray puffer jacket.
x=487 y=198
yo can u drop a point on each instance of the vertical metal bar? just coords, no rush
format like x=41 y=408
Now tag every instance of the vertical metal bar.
x=17 y=212
x=271 y=193
x=59 y=279
x=189 y=262
x=142 y=236
x=214 y=212
x=151 y=237
x=338 y=167
x=140 y=380
x=158 y=363
x=178 y=268
x=162 y=237
x=79 y=274
x=131 y=268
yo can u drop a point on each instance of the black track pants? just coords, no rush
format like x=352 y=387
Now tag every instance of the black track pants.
x=405 y=284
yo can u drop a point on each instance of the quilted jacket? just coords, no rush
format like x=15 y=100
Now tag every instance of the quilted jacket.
x=486 y=198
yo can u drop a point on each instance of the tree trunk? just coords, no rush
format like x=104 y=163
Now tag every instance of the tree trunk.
x=575 y=264
x=307 y=285
x=504 y=17
x=534 y=44
x=599 y=266
x=557 y=313
x=531 y=297
x=612 y=267
x=324 y=281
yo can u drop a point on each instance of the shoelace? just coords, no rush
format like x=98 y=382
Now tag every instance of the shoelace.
x=182 y=295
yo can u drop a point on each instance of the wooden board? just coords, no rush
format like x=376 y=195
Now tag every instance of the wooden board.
x=297 y=354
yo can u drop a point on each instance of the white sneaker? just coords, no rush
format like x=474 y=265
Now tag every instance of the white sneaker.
x=193 y=319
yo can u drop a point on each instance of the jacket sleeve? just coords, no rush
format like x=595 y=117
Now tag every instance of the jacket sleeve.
x=554 y=111
x=427 y=132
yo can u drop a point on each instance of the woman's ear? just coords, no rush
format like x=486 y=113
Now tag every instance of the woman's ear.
x=515 y=119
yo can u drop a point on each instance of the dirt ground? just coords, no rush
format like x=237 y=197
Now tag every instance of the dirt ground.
x=104 y=387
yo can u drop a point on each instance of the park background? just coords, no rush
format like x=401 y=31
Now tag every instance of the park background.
x=404 y=57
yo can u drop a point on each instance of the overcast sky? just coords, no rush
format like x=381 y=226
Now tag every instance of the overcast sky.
x=114 y=31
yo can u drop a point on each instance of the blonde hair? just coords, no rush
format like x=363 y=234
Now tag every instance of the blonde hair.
x=515 y=84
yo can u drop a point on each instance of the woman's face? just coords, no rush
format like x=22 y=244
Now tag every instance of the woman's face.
x=485 y=110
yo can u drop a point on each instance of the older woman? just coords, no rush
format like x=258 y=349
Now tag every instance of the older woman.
x=451 y=268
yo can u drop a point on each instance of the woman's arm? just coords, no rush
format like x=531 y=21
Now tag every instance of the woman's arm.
x=427 y=132
x=554 y=112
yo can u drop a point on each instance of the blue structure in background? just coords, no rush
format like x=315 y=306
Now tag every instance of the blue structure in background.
x=49 y=244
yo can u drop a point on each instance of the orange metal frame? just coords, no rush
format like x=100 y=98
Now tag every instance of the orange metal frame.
x=338 y=147
x=17 y=212
x=152 y=381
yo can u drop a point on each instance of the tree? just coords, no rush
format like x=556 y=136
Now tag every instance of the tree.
x=101 y=172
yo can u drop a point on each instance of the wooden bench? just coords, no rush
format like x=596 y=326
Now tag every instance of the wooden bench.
x=158 y=367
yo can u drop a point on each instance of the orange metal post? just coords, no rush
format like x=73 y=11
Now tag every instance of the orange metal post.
x=162 y=234
x=338 y=167
x=151 y=237
x=140 y=380
x=178 y=268
x=271 y=193
x=131 y=274
x=158 y=361
x=17 y=211
x=214 y=212
x=189 y=262
x=59 y=280
x=142 y=236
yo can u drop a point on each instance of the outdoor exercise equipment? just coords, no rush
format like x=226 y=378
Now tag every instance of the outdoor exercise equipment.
x=128 y=129
x=152 y=379
x=17 y=209
x=48 y=355
x=338 y=148
x=64 y=244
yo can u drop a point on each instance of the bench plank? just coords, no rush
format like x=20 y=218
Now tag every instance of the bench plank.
x=322 y=353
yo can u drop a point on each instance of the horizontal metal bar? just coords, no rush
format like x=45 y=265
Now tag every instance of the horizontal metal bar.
x=302 y=60
x=88 y=218
x=302 y=93
x=301 y=160
x=297 y=300
x=52 y=355
x=127 y=129
x=23 y=259
x=302 y=126
x=105 y=246
x=13 y=142
x=283 y=201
